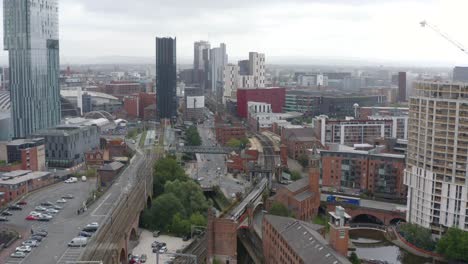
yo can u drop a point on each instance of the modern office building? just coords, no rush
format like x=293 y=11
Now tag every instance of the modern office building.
x=302 y=101
x=402 y=86
x=198 y=48
x=31 y=38
x=166 y=77
x=272 y=95
x=218 y=59
x=66 y=145
x=460 y=74
x=28 y=154
x=436 y=172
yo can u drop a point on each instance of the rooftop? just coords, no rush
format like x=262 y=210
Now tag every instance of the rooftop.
x=304 y=239
x=297 y=185
x=113 y=166
x=21 y=176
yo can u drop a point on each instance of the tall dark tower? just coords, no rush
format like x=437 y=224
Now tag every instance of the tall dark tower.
x=402 y=86
x=166 y=77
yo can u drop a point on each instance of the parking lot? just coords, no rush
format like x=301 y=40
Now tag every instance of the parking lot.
x=144 y=246
x=62 y=228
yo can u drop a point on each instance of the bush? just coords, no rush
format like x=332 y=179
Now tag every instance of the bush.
x=454 y=245
x=303 y=160
x=295 y=175
x=193 y=138
x=418 y=236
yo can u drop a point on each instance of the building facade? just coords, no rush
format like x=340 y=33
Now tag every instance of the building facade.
x=31 y=38
x=166 y=77
x=460 y=74
x=30 y=153
x=436 y=173
x=378 y=174
x=66 y=145
x=303 y=102
x=274 y=96
x=230 y=81
x=198 y=48
x=218 y=59
x=257 y=68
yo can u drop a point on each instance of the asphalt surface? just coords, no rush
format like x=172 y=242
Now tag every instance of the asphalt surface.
x=62 y=228
x=211 y=168
x=66 y=224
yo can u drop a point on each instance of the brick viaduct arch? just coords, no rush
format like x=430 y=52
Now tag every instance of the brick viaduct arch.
x=385 y=217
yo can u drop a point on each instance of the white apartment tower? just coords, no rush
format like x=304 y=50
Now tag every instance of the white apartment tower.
x=230 y=80
x=198 y=47
x=218 y=59
x=257 y=68
x=436 y=173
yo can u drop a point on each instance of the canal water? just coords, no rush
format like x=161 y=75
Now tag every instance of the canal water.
x=371 y=244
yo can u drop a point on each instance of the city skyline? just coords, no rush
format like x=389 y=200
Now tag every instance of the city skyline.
x=317 y=28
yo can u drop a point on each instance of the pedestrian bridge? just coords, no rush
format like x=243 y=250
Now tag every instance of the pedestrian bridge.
x=205 y=149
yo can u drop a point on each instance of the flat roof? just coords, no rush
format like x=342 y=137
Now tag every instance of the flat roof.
x=25 y=177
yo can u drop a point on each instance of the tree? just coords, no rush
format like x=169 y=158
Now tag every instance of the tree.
x=166 y=169
x=417 y=235
x=354 y=258
x=244 y=141
x=279 y=209
x=295 y=175
x=197 y=219
x=179 y=225
x=234 y=143
x=193 y=137
x=160 y=215
x=189 y=194
x=303 y=160
x=454 y=245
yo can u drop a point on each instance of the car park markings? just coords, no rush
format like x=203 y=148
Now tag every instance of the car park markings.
x=71 y=254
x=99 y=206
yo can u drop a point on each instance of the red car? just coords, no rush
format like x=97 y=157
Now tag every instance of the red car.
x=31 y=217
x=22 y=203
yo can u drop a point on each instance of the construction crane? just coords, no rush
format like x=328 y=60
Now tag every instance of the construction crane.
x=424 y=23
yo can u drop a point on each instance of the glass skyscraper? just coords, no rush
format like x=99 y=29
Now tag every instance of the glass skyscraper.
x=166 y=77
x=31 y=38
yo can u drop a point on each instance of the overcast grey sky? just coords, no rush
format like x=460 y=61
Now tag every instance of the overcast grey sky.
x=363 y=29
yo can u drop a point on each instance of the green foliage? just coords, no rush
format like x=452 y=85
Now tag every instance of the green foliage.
x=295 y=175
x=3 y=162
x=179 y=225
x=160 y=215
x=454 y=245
x=418 y=236
x=303 y=160
x=217 y=261
x=244 y=142
x=91 y=172
x=279 y=209
x=189 y=194
x=193 y=138
x=166 y=169
x=354 y=258
x=133 y=133
x=234 y=143
x=143 y=138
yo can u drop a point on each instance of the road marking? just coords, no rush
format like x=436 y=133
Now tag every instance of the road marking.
x=71 y=254
x=103 y=201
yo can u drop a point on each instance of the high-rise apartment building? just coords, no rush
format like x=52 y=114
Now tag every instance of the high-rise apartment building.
x=257 y=68
x=198 y=49
x=31 y=38
x=436 y=173
x=460 y=74
x=166 y=77
x=230 y=81
x=218 y=59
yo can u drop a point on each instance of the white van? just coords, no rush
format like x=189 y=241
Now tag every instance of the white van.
x=83 y=178
x=78 y=242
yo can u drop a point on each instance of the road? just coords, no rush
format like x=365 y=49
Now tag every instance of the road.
x=211 y=168
x=66 y=225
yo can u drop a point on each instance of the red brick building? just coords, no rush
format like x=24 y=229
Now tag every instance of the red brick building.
x=301 y=197
x=16 y=184
x=108 y=172
x=287 y=240
x=135 y=104
x=228 y=129
x=120 y=89
x=299 y=140
x=274 y=96
x=380 y=174
x=94 y=158
x=237 y=162
x=29 y=153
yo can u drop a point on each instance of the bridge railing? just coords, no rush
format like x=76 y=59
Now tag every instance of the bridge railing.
x=367 y=225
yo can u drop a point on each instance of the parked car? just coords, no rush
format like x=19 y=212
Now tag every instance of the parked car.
x=34 y=213
x=18 y=254
x=43 y=218
x=68 y=196
x=51 y=211
x=40 y=208
x=3 y=219
x=7 y=213
x=156 y=233
x=85 y=234
x=61 y=201
x=41 y=233
x=15 y=207
x=47 y=204
x=186 y=238
x=30 y=243
x=31 y=217
x=22 y=203
x=23 y=249
x=83 y=178
x=36 y=238
x=143 y=258
x=78 y=242
x=163 y=250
